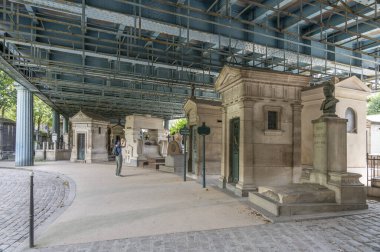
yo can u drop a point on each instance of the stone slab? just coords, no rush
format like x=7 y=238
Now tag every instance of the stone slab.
x=298 y=193
x=272 y=209
x=165 y=168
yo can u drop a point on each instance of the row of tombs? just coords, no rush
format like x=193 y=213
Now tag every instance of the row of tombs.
x=269 y=141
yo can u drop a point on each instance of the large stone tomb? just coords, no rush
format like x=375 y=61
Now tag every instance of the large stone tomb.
x=144 y=139
x=210 y=112
x=327 y=187
x=352 y=94
x=261 y=128
x=89 y=138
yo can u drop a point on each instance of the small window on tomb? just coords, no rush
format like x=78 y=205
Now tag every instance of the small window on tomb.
x=272 y=120
x=350 y=115
x=272 y=117
x=100 y=130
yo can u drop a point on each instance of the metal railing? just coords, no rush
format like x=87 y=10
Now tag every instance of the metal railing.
x=373 y=167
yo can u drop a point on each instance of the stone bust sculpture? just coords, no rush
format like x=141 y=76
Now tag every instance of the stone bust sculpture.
x=329 y=104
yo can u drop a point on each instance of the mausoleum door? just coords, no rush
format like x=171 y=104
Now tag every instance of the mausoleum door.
x=194 y=150
x=235 y=135
x=81 y=146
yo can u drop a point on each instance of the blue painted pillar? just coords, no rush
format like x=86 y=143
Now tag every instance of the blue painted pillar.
x=56 y=122
x=65 y=125
x=24 y=127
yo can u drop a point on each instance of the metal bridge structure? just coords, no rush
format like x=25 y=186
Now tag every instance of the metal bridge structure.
x=120 y=57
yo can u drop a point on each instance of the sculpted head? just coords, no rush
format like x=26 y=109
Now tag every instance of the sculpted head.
x=328 y=89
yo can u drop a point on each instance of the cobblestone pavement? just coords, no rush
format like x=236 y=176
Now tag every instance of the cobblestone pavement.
x=349 y=233
x=51 y=193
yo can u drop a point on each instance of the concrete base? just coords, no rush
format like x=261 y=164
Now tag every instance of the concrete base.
x=171 y=169
x=164 y=168
x=375 y=182
x=373 y=191
x=299 y=199
x=175 y=160
x=276 y=212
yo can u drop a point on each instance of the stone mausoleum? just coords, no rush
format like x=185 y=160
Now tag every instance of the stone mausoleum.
x=89 y=137
x=210 y=112
x=261 y=128
x=145 y=139
x=326 y=186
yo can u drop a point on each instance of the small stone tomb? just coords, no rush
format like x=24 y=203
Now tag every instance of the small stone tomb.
x=174 y=162
x=89 y=138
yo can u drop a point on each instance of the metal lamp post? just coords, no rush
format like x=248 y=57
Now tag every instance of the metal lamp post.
x=184 y=132
x=204 y=131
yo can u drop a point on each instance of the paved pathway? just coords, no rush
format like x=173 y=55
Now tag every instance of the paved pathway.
x=349 y=233
x=72 y=232
x=51 y=194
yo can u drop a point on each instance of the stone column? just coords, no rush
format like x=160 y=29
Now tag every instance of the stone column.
x=24 y=127
x=245 y=183
x=297 y=167
x=225 y=148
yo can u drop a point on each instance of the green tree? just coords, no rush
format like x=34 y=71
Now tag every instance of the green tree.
x=374 y=105
x=179 y=124
x=8 y=96
x=42 y=113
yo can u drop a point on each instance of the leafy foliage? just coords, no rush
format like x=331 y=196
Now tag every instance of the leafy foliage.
x=374 y=105
x=42 y=113
x=179 y=124
x=8 y=96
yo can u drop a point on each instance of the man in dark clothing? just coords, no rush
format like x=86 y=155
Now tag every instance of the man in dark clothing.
x=118 y=158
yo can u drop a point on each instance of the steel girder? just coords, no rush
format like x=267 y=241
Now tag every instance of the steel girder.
x=91 y=35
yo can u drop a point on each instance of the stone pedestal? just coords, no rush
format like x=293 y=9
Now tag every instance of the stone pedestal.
x=330 y=161
x=173 y=164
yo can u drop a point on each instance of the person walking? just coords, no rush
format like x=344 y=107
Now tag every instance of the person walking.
x=118 y=157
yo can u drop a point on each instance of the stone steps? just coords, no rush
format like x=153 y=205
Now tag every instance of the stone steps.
x=276 y=209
